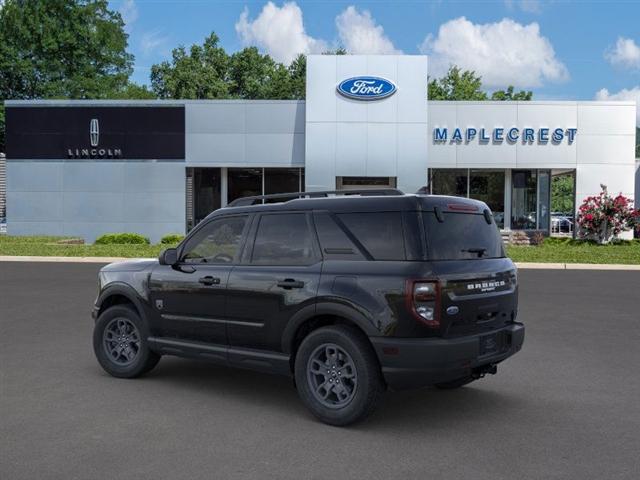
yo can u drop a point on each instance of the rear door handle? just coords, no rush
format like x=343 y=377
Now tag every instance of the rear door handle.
x=209 y=280
x=289 y=283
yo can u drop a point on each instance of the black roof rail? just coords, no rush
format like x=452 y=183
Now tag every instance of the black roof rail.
x=285 y=197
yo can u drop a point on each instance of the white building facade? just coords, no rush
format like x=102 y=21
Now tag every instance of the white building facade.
x=84 y=168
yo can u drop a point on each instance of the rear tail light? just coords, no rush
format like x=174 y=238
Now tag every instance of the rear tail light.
x=423 y=300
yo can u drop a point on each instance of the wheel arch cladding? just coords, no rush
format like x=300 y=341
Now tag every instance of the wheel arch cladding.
x=119 y=295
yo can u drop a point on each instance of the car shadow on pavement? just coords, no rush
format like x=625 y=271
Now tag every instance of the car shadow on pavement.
x=410 y=409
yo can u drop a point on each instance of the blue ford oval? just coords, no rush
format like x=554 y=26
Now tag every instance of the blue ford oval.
x=366 y=88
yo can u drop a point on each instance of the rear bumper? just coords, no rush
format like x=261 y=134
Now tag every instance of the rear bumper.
x=413 y=363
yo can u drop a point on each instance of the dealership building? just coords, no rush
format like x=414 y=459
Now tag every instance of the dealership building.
x=84 y=168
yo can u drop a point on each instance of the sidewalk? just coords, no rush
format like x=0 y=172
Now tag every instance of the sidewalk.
x=523 y=266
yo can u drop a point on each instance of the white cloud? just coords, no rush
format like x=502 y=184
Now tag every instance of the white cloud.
x=529 y=6
x=632 y=94
x=151 y=41
x=129 y=13
x=626 y=53
x=504 y=53
x=360 y=34
x=278 y=31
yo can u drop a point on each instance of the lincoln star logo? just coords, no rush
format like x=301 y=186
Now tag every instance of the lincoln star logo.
x=94 y=132
x=366 y=88
x=488 y=286
x=94 y=141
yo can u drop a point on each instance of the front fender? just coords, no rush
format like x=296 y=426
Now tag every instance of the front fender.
x=124 y=290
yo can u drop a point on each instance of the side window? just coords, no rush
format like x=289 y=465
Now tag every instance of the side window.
x=283 y=239
x=335 y=243
x=381 y=233
x=217 y=242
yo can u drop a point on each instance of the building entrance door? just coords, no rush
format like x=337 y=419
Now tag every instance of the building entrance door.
x=203 y=193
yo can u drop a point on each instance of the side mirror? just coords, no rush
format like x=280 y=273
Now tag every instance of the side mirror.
x=168 y=256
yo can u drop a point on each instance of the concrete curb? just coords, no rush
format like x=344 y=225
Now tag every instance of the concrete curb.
x=523 y=266
x=576 y=266
x=11 y=258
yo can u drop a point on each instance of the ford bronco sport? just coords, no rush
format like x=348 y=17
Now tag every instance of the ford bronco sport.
x=349 y=293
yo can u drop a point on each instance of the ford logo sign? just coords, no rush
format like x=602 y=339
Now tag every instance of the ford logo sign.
x=452 y=310
x=366 y=88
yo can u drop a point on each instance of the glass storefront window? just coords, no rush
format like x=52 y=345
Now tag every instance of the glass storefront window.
x=281 y=180
x=243 y=182
x=206 y=188
x=524 y=189
x=449 y=181
x=488 y=187
x=544 y=199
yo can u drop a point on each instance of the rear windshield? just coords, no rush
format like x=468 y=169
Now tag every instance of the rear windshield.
x=462 y=236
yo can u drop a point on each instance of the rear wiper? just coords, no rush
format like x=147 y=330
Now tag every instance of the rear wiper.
x=479 y=251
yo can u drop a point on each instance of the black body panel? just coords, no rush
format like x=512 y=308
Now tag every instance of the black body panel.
x=255 y=314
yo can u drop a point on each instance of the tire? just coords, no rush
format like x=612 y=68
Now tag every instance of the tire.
x=342 y=355
x=453 y=384
x=132 y=357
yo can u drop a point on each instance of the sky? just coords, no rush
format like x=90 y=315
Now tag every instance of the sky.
x=561 y=50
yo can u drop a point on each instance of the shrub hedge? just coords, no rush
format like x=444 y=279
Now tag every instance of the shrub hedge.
x=122 y=239
x=171 y=239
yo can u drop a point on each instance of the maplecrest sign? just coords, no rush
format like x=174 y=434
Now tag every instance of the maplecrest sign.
x=512 y=135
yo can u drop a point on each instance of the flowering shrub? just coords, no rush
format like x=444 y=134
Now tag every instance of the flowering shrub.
x=604 y=217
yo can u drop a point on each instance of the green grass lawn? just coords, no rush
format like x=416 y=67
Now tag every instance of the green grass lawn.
x=576 y=252
x=552 y=250
x=48 y=247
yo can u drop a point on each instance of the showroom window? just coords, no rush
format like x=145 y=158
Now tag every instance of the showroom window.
x=247 y=182
x=527 y=198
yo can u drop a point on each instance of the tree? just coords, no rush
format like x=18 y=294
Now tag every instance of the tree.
x=562 y=192
x=208 y=72
x=510 y=95
x=256 y=76
x=61 y=49
x=457 y=85
x=199 y=74
x=298 y=74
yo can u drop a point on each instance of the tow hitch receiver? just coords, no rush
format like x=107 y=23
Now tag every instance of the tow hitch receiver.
x=480 y=372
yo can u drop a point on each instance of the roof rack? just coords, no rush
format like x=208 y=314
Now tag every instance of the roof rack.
x=285 y=197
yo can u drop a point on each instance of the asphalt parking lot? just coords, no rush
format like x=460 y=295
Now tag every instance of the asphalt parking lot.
x=567 y=406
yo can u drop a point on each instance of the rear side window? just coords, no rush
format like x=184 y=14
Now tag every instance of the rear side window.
x=283 y=239
x=380 y=233
x=462 y=236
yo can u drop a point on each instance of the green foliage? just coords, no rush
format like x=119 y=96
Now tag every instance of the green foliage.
x=298 y=76
x=122 y=239
x=171 y=239
x=1 y=126
x=457 y=85
x=62 y=49
x=207 y=72
x=562 y=193
x=510 y=95
x=460 y=84
x=134 y=91
x=568 y=250
x=199 y=74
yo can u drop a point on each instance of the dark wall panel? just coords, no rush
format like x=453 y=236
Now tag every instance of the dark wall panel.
x=145 y=132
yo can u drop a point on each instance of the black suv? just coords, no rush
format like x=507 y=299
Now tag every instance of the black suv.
x=348 y=292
